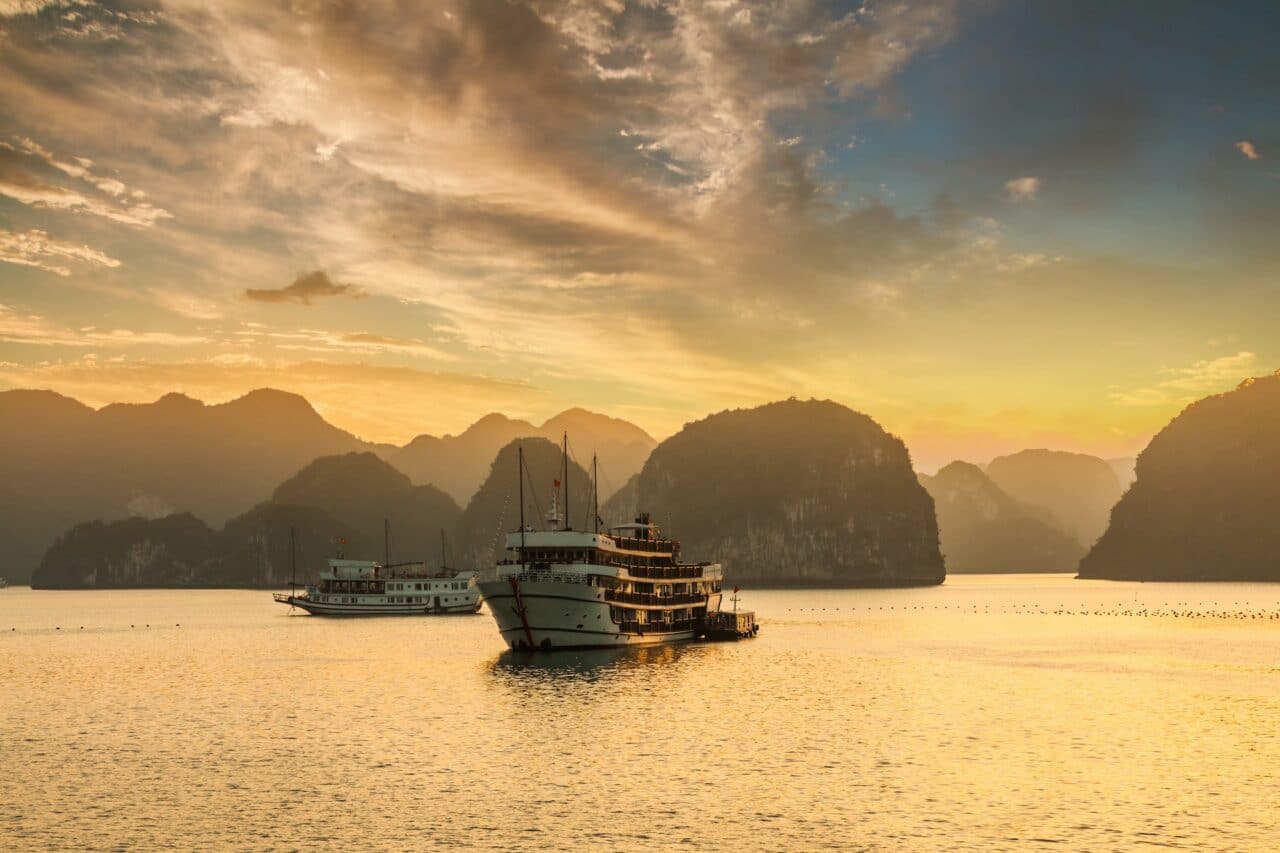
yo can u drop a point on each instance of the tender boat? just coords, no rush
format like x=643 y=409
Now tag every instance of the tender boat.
x=628 y=586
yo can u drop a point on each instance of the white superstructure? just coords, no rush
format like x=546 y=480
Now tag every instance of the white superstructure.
x=563 y=588
x=366 y=588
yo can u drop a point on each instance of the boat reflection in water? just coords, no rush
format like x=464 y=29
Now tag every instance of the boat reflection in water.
x=589 y=665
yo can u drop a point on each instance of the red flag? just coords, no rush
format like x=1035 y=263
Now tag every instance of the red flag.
x=557 y=484
x=735 y=589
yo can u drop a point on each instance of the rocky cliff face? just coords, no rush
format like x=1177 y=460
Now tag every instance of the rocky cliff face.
x=1204 y=504
x=1077 y=489
x=984 y=530
x=795 y=493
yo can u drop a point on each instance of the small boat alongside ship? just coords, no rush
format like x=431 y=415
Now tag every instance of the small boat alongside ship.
x=628 y=586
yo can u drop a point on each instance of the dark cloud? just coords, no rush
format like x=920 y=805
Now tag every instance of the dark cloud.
x=306 y=287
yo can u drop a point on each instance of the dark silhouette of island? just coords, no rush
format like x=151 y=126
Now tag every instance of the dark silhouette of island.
x=252 y=550
x=458 y=464
x=1203 y=506
x=1078 y=490
x=982 y=529
x=795 y=493
x=62 y=462
x=335 y=504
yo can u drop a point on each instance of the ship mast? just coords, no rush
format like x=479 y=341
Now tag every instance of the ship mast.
x=520 y=475
x=595 y=493
x=293 y=564
x=564 y=463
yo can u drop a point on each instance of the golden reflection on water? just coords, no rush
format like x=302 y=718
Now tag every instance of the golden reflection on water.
x=993 y=712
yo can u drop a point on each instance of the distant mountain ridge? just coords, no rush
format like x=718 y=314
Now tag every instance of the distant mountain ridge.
x=459 y=464
x=63 y=463
x=983 y=529
x=1078 y=490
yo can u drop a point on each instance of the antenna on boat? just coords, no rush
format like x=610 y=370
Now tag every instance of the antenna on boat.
x=444 y=562
x=386 y=542
x=520 y=448
x=564 y=463
x=595 y=492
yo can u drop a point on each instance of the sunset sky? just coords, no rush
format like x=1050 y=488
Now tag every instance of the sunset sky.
x=988 y=225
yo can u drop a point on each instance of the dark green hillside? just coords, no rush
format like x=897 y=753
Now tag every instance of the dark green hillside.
x=795 y=493
x=1204 y=504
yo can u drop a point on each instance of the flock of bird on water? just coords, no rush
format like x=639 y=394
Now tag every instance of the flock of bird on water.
x=1167 y=609
x=1121 y=609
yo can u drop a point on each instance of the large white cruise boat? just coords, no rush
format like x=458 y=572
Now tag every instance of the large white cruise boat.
x=367 y=588
x=563 y=588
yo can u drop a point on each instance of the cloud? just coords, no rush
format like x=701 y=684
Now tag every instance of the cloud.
x=1187 y=384
x=34 y=329
x=1248 y=150
x=25 y=176
x=35 y=248
x=305 y=287
x=11 y=8
x=1022 y=189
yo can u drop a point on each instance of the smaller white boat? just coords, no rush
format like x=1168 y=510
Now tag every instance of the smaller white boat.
x=368 y=588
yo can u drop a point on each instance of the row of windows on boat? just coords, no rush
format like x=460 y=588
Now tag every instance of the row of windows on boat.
x=379 y=587
x=630 y=543
x=655 y=620
x=598 y=557
x=387 y=599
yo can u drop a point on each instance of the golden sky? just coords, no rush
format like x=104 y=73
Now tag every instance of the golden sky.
x=415 y=214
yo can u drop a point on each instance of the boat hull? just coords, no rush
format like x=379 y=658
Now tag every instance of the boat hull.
x=316 y=608
x=560 y=615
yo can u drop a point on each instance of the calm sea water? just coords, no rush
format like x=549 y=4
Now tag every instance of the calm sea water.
x=992 y=712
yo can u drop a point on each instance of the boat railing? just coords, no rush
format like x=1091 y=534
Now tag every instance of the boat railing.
x=652 y=598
